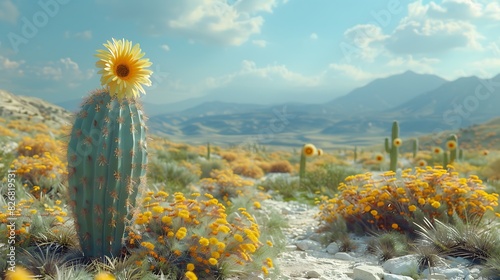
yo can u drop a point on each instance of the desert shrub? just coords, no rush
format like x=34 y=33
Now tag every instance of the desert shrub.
x=195 y=236
x=174 y=176
x=390 y=203
x=207 y=166
x=229 y=156
x=40 y=144
x=326 y=179
x=6 y=132
x=41 y=174
x=285 y=188
x=247 y=169
x=282 y=166
x=225 y=185
x=471 y=239
x=388 y=245
x=264 y=165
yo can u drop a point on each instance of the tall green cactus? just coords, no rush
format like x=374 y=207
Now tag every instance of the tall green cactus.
x=355 y=153
x=308 y=150
x=453 y=151
x=208 y=151
x=415 y=147
x=107 y=153
x=107 y=160
x=393 y=148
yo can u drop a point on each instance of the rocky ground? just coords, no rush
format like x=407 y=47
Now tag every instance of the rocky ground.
x=306 y=258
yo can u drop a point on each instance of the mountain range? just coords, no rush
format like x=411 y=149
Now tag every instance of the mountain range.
x=422 y=104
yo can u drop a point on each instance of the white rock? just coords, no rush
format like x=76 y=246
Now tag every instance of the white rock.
x=401 y=265
x=333 y=248
x=343 y=256
x=388 y=276
x=453 y=273
x=368 y=272
x=313 y=274
x=290 y=247
x=307 y=244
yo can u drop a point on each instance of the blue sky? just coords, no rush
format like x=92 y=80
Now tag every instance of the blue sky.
x=202 y=47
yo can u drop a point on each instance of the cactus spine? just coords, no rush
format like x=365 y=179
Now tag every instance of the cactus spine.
x=107 y=160
x=393 y=149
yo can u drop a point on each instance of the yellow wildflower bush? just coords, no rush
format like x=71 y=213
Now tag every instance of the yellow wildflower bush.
x=39 y=144
x=25 y=212
x=6 y=132
x=247 y=168
x=194 y=236
x=29 y=126
x=40 y=171
x=386 y=202
x=224 y=184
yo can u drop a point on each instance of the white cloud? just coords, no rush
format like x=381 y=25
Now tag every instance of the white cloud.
x=422 y=65
x=433 y=36
x=313 y=36
x=208 y=21
x=7 y=64
x=260 y=43
x=64 y=70
x=352 y=71
x=84 y=35
x=8 y=11
x=271 y=74
x=455 y=9
x=367 y=39
x=492 y=10
x=165 y=47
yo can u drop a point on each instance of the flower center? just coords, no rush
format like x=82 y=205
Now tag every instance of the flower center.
x=122 y=71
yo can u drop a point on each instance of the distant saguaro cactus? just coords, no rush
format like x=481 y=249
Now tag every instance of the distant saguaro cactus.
x=452 y=146
x=308 y=150
x=393 y=149
x=107 y=153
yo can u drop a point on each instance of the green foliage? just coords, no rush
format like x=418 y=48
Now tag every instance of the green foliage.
x=472 y=240
x=208 y=166
x=390 y=245
x=391 y=148
x=171 y=175
x=106 y=164
x=327 y=178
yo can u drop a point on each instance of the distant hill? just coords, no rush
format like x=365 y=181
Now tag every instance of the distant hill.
x=456 y=104
x=22 y=107
x=385 y=93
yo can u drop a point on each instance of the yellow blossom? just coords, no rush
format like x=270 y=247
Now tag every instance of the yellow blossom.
x=123 y=69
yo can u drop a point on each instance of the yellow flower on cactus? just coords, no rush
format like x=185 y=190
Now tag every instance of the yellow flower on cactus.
x=309 y=150
x=451 y=145
x=437 y=150
x=422 y=163
x=104 y=276
x=397 y=142
x=123 y=69
x=485 y=153
x=320 y=152
x=18 y=274
x=379 y=157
